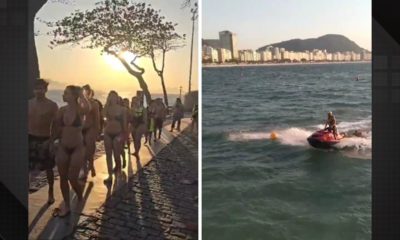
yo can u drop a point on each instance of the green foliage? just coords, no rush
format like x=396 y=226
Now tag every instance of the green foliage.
x=115 y=26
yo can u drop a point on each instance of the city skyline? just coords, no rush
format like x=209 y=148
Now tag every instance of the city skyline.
x=225 y=49
x=275 y=21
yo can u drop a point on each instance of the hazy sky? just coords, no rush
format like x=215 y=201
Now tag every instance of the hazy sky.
x=261 y=22
x=74 y=65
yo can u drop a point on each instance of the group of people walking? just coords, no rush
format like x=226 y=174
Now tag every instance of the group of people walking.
x=67 y=136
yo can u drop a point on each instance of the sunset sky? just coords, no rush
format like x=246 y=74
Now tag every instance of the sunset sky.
x=261 y=22
x=65 y=65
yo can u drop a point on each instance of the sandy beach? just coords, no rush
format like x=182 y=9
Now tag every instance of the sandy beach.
x=208 y=65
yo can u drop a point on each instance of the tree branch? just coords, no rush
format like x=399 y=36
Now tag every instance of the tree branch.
x=136 y=66
x=123 y=61
x=163 y=60
x=153 y=60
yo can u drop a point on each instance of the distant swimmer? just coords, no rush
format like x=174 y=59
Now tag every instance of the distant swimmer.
x=358 y=78
x=358 y=134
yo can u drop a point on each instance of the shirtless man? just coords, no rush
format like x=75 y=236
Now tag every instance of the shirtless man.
x=41 y=114
x=90 y=131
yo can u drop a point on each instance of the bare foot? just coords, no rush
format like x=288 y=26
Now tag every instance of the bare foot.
x=61 y=212
x=50 y=199
x=108 y=180
x=93 y=171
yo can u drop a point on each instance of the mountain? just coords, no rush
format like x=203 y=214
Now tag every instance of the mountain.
x=330 y=42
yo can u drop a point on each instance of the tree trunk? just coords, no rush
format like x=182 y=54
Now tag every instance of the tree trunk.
x=160 y=73
x=144 y=87
x=164 y=89
x=33 y=63
x=139 y=77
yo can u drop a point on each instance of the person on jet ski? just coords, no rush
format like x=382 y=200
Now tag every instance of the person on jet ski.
x=330 y=124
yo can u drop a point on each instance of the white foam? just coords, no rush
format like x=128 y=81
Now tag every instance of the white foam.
x=294 y=136
x=357 y=146
x=359 y=143
x=290 y=136
x=241 y=136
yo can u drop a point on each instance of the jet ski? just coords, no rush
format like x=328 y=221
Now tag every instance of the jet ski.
x=323 y=139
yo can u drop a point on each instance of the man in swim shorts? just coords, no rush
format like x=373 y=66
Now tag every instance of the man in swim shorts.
x=41 y=114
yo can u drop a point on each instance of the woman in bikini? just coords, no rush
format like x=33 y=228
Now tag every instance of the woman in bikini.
x=90 y=131
x=126 y=144
x=330 y=124
x=70 y=148
x=139 y=123
x=114 y=132
x=151 y=114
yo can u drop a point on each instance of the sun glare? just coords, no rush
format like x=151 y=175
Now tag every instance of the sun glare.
x=115 y=63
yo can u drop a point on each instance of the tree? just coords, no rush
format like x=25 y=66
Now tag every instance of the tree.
x=115 y=27
x=187 y=3
x=164 y=39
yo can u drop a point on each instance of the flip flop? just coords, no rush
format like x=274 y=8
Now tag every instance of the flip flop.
x=65 y=215
x=56 y=213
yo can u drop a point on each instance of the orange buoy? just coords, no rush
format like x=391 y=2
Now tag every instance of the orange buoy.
x=273 y=136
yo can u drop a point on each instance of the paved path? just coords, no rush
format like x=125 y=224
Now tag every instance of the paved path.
x=150 y=200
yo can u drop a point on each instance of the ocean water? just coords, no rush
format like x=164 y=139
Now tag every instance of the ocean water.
x=257 y=188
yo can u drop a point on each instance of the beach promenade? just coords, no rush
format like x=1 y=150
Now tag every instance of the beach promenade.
x=155 y=197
